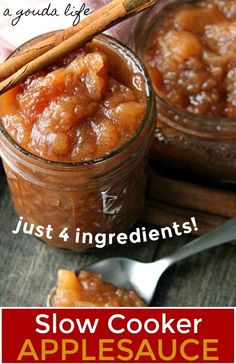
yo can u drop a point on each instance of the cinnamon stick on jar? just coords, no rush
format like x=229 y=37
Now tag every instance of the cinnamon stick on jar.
x=40 y=55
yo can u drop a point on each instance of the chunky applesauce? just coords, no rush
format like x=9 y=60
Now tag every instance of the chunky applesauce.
x=191 y=56
x=75 y=111
x=89 y=290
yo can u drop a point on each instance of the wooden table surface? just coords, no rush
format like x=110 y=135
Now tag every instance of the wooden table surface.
x=28 y=268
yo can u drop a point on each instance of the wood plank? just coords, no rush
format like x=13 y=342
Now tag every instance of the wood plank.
x=171 y=200
x=157 y=213
x=210 y=200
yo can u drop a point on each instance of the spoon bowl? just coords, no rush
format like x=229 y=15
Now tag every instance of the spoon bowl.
x=143 y=277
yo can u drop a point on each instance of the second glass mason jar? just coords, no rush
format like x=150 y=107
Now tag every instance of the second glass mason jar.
x=186 y=144
x=99 y=196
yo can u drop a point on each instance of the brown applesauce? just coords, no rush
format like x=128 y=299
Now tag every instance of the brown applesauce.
x=74 y=141
x=192 y=57
x=75 y=111
x=89 y=290
x=189 y=50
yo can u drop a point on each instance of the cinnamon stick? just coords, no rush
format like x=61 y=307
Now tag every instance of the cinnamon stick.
x=15 y=70
x=15 y=63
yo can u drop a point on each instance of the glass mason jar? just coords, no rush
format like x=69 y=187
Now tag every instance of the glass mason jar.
x=186 y=144
x=100 y=196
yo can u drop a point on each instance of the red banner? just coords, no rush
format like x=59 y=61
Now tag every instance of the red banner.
x=117 y=336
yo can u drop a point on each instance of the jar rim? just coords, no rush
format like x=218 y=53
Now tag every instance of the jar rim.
x=127 y=53
x=139 y=30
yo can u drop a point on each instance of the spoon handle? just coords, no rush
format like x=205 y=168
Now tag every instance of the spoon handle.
x=222 y=234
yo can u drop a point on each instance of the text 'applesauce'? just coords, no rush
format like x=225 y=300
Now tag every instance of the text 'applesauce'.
x=74 y=141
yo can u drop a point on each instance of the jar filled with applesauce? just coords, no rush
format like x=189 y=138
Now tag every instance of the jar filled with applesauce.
x=189 y=49
x=74 y=142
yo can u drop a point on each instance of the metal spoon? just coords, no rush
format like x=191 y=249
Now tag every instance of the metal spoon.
x=143 y=277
